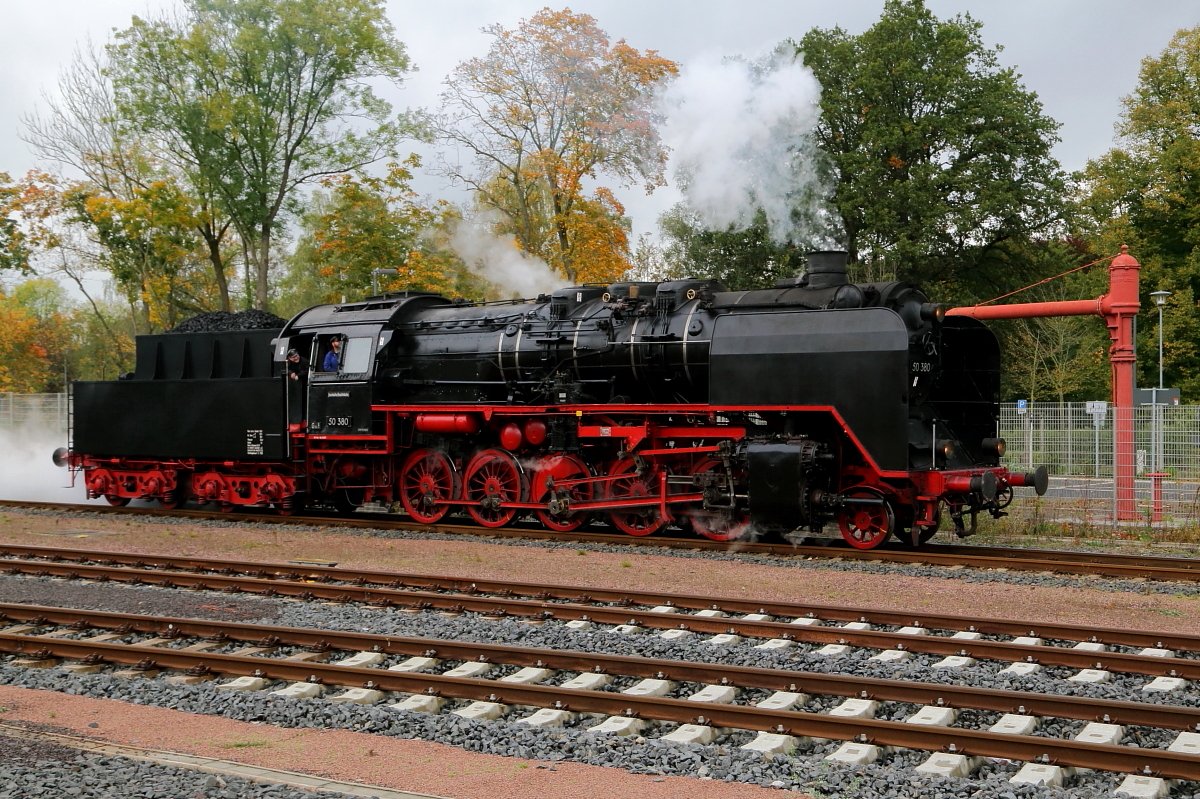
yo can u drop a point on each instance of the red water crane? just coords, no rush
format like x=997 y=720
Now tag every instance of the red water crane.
x=1117 y=308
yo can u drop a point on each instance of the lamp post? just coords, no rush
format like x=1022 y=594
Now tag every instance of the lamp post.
x=1160 y=299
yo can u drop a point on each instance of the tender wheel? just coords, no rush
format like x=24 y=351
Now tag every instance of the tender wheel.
x=171 y=501
x=116 y=501
x=558 y=468
x=645 y=520
x=290 y=505
x=427 y=476
x=715 y=524
x=177 y=497
x=866 y=526
x=347 y=500
x=493 y=477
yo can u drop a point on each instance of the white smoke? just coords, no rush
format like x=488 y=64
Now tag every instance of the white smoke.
x=26 y=471
x=501 y=262
x=741 y=135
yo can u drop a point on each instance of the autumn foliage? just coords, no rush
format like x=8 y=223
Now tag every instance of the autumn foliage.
x=550 y=108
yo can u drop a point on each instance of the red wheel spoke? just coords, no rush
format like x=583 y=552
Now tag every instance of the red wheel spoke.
x=643 y=520
x=866 y=526
x=427 y=480
x=493 y=477
x=561 y=468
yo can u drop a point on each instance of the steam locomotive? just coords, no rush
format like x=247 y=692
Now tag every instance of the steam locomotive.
x=729 y=414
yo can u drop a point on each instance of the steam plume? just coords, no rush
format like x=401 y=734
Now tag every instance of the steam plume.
x=501 y=262
x=26 y=472
x=741 y=133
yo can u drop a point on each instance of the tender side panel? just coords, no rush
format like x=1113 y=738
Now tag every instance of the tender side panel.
x=855 y=360
x=226 y=419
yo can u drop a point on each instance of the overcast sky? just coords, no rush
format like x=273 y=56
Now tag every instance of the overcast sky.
x=1079 y=56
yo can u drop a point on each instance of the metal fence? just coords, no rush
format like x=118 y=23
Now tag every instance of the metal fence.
x=1077 y=447
x=47 y=412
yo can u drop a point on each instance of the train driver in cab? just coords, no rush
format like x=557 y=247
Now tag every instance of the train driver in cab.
x=332 y=357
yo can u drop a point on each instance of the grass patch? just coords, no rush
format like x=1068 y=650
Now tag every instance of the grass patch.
x=250 y=744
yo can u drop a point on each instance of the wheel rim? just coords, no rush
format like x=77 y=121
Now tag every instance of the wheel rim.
x=713 y=524
x=427 y=476
x=561 y=467
x=640 y=521
x=116 y=501
x=866 y=526
x=493 y=477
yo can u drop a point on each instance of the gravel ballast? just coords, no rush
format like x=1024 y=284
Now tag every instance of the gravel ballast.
x=32 y=769
x=805 y=769
x=832 y=563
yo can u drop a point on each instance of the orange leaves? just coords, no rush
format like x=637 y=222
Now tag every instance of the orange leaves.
x=552 y=106
x=23 y=364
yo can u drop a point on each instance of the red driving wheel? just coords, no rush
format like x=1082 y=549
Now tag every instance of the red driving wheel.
x=643 y=520
x=558 y=468
x=426 y=477
x=493 y=477
x=866 y=526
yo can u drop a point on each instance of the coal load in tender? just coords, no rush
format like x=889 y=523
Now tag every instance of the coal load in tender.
x=224 y=321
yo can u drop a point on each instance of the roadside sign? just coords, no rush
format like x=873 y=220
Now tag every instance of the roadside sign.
x=1098 y=410
x=1022 y=406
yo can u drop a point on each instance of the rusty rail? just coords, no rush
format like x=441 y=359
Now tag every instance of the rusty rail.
x=887 y=733
x=543 y=608
x=1148 y=567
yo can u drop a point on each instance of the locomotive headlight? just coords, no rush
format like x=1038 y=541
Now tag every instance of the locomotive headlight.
x=933 y=311
x=946 y=447
x=995 y=446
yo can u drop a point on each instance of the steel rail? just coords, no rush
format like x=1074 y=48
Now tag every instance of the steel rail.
x=587 y=594
x=1150 y=567
x=1110 y=711
x=1171 y=765
x=535 y=609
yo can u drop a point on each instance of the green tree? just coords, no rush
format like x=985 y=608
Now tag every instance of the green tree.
x=256 y=97
x=940 y=155
x=366 y=223
x=740 y=259
x=1146 y=193
x=549 y=107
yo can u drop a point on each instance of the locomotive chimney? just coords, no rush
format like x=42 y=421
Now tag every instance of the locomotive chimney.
x=827 y=269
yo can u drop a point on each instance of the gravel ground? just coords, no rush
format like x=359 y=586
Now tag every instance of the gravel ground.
x=36 y=767
x=72 y=773
x=1019 y=578
x=805 y=770
x=206 y=605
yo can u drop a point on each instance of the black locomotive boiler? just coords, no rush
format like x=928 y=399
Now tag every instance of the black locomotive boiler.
x=648 y=404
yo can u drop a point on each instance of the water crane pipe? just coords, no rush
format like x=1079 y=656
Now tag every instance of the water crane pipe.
x=1118 y=308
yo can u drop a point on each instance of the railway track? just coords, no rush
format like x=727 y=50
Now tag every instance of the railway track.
x=1138 y=567
x=41 y=636
x=779 y=624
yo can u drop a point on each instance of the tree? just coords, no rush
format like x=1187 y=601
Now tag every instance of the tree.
x=1146 y=193
x=366 y=223
x=81 y=129
x=257 y=97
x=940 y=155
x=551 y=106
x=740 y=259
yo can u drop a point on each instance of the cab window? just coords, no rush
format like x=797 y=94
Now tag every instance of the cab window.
x=356 y=355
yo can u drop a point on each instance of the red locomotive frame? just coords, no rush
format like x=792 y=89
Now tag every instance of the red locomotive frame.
x=645 y=466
